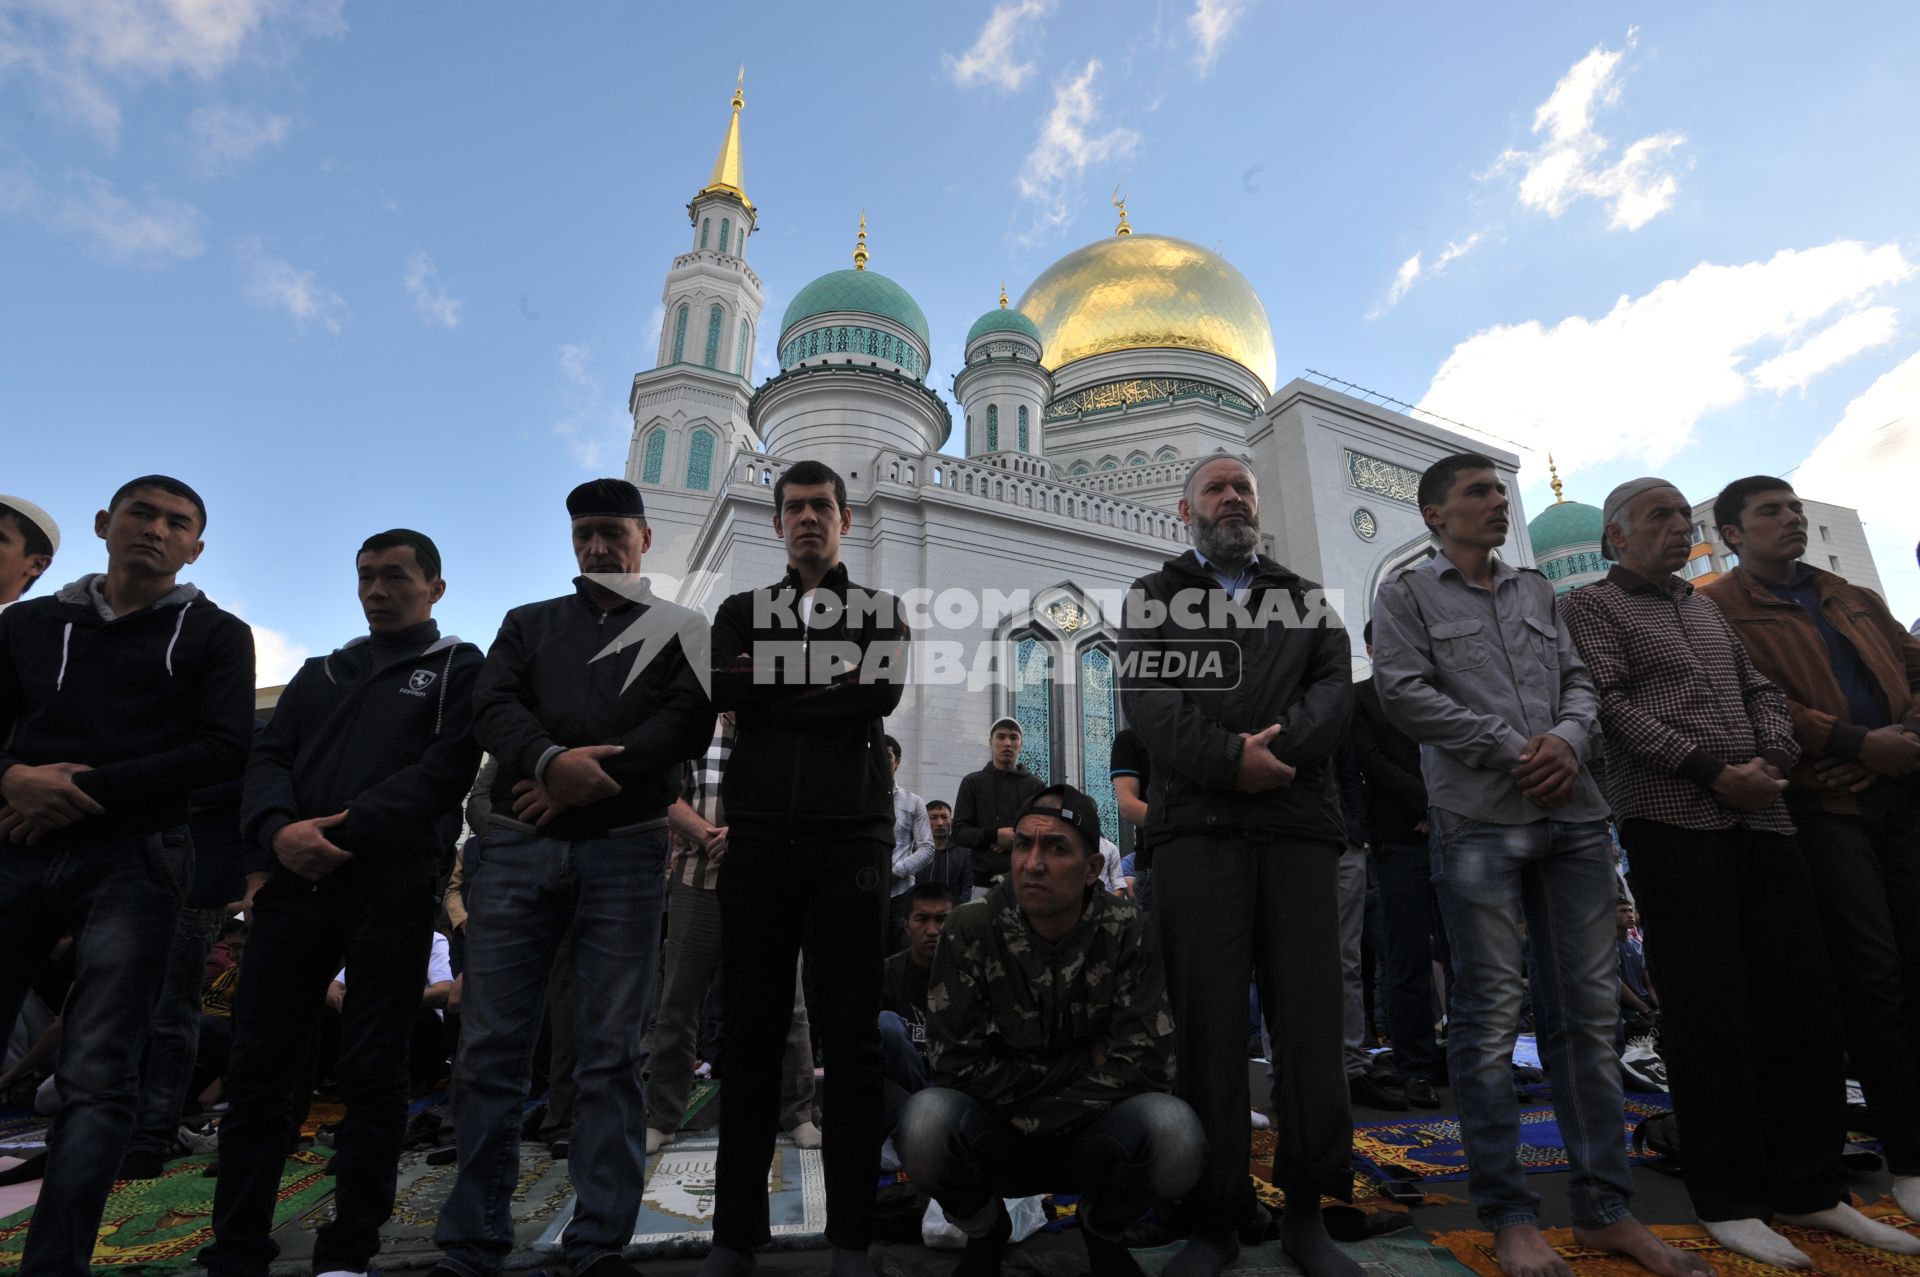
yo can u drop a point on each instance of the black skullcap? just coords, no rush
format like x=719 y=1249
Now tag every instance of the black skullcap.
x=606 y=498
x=165 y=483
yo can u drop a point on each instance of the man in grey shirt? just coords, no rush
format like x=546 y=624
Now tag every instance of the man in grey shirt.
x=1471 y=661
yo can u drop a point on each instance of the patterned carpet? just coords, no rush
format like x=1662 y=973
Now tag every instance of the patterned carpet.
x=1832 y=1255
x=1430 y=1148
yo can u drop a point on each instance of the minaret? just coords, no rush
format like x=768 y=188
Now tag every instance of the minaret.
x=1004 y=390
x=690 y=410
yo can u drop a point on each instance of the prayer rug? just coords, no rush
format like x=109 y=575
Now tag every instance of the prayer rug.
x=700 y=1117
x=22 y=1131
x=159 y=1225
x=1431 y=1148
x=1832 y=1255
x=1395 y=1255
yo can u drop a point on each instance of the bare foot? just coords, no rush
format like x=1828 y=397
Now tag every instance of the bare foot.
x=1523 y=1252
x=1632 y=1239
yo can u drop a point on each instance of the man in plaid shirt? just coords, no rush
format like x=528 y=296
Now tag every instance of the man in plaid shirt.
x=699 y=842
x=1698 y=747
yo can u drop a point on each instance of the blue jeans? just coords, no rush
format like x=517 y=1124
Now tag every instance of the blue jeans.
x=1557 y=877
x=119 y=898
x=524 y=893
x=906 y=1067
x=174 y=1043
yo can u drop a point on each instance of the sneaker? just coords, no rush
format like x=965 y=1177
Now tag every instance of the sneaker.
x=1369 y=1092
x=190 y=1140
x=1420 y=1093
x=1261 y=1121
x=558 y=1149
x=658 y=1139
x=805 y=1135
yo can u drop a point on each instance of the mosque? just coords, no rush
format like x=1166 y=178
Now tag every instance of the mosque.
x=1083 y=406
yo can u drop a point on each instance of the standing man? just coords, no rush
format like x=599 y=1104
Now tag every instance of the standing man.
x=1130 y=768
x=29 y=538
x=590 y=706
x=1698 y=747
x=119 y=696
x=368 y=748
x=1850 y=674
x=952 y=864
x=812 y=664
x=1409 y=912
x=984 y=809
x=1247 y=839
x=912 y=851
x=1470 y=660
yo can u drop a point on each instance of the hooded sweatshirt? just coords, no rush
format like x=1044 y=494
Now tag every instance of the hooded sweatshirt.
x=157 y=703
x=381 y=729
x=989 y=801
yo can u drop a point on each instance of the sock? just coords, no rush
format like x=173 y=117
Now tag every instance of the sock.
x=1906 y=1195
x=1843 y=1219
x=1755 y=1240
x=724 y=1261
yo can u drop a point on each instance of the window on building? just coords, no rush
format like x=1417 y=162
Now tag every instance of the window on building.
x=653 y=459
x=1033 y=703
x=1083 y=468
x=993 y=427
x=680 y=335
x=1023 y=428
x=1824 y=534
x=740 y=356
x=706 y=224
x=1109 y=464
x=1833 y=563
x=726 y=233
x=700 y=460
x=1099 y=722
x=714 y=318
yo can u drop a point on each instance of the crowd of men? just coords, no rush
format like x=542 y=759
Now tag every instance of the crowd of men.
x=1051 y=1018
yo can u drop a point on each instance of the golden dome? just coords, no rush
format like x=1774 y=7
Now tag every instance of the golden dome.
x=1137 y=292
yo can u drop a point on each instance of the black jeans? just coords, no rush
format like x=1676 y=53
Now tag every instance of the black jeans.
x=1750 y=1033
x=1231 y=904
x=772 y=897
x=965 y=1156
x=1866 y=873
x=297 y=939
x=1409 y=920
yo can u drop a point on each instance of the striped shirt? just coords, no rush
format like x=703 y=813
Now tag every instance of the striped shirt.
x=691 y=865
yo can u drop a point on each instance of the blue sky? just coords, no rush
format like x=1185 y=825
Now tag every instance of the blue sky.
x=345 y=268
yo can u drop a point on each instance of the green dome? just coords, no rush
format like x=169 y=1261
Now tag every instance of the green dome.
x=1003 y=320
x=1562 y=525
x=863 y=292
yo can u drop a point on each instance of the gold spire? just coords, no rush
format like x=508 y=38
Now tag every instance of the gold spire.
x=1003 y=294
x=860 y=245
x=1120 y=202
x=1553 y=470
x=728 y=172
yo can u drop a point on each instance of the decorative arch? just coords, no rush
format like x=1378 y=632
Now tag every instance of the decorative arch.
x=653 y=455
x=700 y=459
x=1167 y=454
x=1081 y=467
x=1109 y=463
x=1137 y=459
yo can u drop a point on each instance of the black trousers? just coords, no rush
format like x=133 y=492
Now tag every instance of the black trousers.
x=1234 y=905
x=297 y=939
x=1750 y=1035
x=773 y=897
x=1409 y=922
x=1866 y=873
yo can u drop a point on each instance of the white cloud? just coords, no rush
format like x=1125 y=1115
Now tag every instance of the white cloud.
x=280 y=285
x=83 y=54
x=276 y=656
x=1868 y=462
x=226 y=136
x=423 y=285
x=996 y=52
x=1212 y=23
x=589 y=437
x=1632 y=382
x=1412 y=271
x=574 y=360
x=122 y=231
x=1571 y=162
x=1835 y=344
x=1066 y=148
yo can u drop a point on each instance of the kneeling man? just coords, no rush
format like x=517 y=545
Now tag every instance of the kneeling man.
x=1051 y=1044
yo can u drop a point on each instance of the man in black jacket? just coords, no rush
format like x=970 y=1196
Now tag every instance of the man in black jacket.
x=1409 y=913
x=119 y=696
x=811 y=665
x=989 y=799
x=590 y=706
x=367 y=748
x=1235 y=673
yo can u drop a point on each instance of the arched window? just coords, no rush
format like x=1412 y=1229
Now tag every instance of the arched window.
x=1109 y=464
x=713 y=335
x=1167 y=454
x=680 y=335
x=1138 y=459
x=1023 y=427
x=993 y=427
x=700 y=460
x=1033 y=703
x=1099 y=720
x=726 y=233
x=740 y=357
x=706 y=224
x=654 y=459
x=1082 y=468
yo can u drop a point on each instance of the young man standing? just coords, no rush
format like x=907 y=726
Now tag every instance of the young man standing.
x=119 y=696
x=912 y=851
x=1851 y=674
x=1698 y=747
x=368 y=748
x=1247 y=839
x=983 y=810
x=811 y=664
x=952 y=864
x=1470 y=659
x=590 y=706
x=29 y=538
x=1052 y=1049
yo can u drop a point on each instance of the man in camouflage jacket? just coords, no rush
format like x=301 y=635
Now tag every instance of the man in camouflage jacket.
x=1051 y=1044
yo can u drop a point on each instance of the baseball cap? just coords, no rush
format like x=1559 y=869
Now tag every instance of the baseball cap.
x=1070 y=805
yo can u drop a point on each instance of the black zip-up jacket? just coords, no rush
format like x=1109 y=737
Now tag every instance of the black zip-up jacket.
x=542 y=689
x=1390 y=760
x=1291 y=665
x=158 y=702
x=988 y=802
x=809 y=760
x=381 y=729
